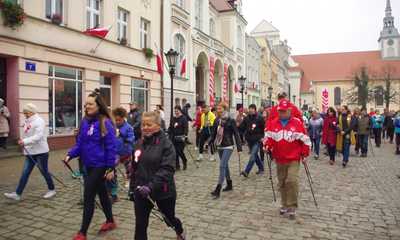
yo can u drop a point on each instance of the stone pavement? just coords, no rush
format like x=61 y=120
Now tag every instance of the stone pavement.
x=358 y=202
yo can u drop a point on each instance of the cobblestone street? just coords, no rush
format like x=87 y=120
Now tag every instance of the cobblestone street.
x=358 y=202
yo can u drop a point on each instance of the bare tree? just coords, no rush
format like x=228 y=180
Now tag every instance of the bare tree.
x=388 y=73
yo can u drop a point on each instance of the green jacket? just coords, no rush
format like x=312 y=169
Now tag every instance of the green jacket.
x=364 y=124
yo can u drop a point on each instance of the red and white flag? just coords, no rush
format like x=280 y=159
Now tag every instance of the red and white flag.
x=236 y=86
x=211 y=82
x=159 y=62
x=101 y=32
x=225 y=78
x=183 y=65
x=245 y=89
x=253 y=85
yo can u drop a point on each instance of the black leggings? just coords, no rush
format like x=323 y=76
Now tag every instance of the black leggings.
x=331 y=150
x=179 y=147
x=95 y=184
x=142 y=212
x=377 y=133
x=203 y=139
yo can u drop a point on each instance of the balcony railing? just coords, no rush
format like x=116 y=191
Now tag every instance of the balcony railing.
x=180 y=16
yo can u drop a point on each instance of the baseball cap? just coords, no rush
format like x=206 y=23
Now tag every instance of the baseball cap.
x=283 y=105
x=133 y=103
x=199 y=108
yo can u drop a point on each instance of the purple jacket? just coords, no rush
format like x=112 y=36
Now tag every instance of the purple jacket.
x=95 y=150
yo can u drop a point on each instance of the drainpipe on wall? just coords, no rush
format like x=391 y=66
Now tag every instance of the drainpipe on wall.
x=162 y=49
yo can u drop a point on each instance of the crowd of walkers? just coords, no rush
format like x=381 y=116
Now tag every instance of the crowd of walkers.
x=151 y=152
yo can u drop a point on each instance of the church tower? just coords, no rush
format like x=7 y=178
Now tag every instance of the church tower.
x=389 y=41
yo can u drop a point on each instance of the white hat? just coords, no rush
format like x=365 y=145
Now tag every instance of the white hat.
x=1 y=100
x=31 y=108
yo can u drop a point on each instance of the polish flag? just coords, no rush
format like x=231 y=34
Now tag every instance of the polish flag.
x=245 y=89
x=253 y=85
x=100 y=32
x=183 y=65
x=236 y=87
x=159 y=62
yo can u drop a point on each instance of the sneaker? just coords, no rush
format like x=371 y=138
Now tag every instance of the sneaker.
x=292 y=213
x=245 y=174
x=183 y=235
x=199 y=159
x=316 y=156
x=344 y=164
x=189 y=143
x=50 y=193
x=13 y=195
x=196 y=149
x=184 y=165
x=397 y=152
x=107 y=227
x=77 y=175
x=127 y=184
x=80 y=236
x=212 y=159
x=113 y=198
x=80 y=203
x=260 y=171
x=283 y=210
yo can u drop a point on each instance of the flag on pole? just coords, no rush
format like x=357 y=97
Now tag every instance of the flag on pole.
x=211 y=82
x=253 y=85
x=183 y=65
x=245 y=89
x=225 y=77
x=159 y=62
x=100 y=32
x=236 y=86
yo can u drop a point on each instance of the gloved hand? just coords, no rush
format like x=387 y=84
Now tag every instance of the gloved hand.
x=144 y=191
x=125 y=140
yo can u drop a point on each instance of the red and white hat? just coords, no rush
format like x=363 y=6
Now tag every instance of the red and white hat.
x=283 y=105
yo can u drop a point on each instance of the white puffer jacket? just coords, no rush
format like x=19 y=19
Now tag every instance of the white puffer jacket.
x=34 y=135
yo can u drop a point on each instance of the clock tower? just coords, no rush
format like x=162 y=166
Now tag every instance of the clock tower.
x=389 y=40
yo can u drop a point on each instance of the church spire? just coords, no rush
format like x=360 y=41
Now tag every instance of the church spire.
x=388 y=21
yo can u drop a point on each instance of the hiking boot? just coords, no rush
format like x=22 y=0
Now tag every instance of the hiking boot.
x=183 y=235
x=199 y=159
x=283 y=210
x=107 y=227
x=184 y=165
x=229 y=187
x=217 y=191
x=113 y=198
x=244 y=173
x=260 y=171
x=344 y=164
x=331 y=162
x=13 y=195
x=50 y=194
x=292 y=213
x=79 y=236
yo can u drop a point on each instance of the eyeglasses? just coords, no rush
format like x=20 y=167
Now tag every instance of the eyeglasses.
x=25 y=113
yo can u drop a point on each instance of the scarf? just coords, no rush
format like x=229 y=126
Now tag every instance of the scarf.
x=177 y=116
x=220 y=129
x=339 y=143
x=92 y=117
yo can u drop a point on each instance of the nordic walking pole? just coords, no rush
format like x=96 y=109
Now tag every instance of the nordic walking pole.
x=240 y=169
x=309 y=174
x=370 y=144
x=69 y=167
x=37 y=165
x=164 y=217
x=309 y=181
x=270 y=175
x=190 y=154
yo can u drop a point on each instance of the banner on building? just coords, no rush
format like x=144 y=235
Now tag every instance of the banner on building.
x=225 y=77
x=211 y=78
x=325 y=99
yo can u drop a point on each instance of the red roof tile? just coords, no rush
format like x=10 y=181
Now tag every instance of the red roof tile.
x=337 y=66
x=221 y=5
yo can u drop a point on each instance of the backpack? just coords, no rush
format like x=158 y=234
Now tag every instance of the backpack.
x=397 y=121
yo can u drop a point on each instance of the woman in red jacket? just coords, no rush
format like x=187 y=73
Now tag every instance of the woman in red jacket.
x=197 y=125
x=329 y=133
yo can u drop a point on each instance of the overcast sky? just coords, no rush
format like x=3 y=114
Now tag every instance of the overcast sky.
x=323 y=26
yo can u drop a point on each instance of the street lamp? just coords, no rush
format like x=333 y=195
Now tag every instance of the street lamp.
x=294 y=99
x=270 y=89
x=299 y=103
x=172 y=56
x=242 y=82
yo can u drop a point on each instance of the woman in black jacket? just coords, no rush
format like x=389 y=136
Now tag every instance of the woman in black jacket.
x=178 y=131
x=153 y=167
x=222 y=137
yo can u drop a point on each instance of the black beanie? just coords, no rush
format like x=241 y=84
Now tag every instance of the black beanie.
x=178 y=107
x=187 y=105
x=253 y=106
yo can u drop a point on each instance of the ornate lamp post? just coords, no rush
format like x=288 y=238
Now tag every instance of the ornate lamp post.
x=172 y=56
x=242 y=82
x=270 y=89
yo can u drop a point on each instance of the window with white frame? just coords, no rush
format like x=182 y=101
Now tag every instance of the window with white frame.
x=122 y=24
x=144 y=33
x=140 y=93
x=53 y=7
x=197 y=14
x=179 y=46
x=92 y=13
x=239 y=71
x=180 y=3
x=105 y=89
x=239 y=37
x=65 y=100
x=212 y=28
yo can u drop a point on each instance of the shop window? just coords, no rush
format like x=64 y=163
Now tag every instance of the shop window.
x=105 y=89
x=140 y=93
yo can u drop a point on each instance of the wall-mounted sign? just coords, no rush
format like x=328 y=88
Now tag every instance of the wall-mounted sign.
x=30 y=66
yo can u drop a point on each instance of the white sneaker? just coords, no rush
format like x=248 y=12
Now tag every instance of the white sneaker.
x=196 y=149
x=13 y=195
x=127 y=184
x=50 y=193
x=212 y=159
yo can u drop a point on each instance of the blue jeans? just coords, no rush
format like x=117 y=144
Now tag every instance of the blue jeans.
x=254 y=148
x=346 y=152
x=316 y=142
x=41 y=160
x=224 y=155
x=363 y=143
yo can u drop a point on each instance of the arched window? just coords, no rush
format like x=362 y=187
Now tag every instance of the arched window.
x=180 y=47
x=212 y=28
x=239 y=70
x=338 y=96
x=379 y=96
x=239 y=37
x=197 y=14
x=391 y=52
